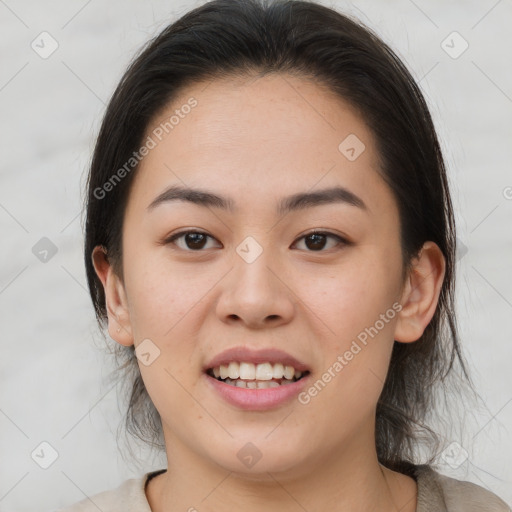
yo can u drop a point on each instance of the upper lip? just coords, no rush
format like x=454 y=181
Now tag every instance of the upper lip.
x=247 y=355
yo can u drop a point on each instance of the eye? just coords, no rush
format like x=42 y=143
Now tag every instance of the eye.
x=192 y=240
x=316 y=240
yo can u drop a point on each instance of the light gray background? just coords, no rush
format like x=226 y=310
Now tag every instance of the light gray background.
x=53 y=373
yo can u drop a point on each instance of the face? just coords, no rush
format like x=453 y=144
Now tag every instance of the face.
x=252 y=278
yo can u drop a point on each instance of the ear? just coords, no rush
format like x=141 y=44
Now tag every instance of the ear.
x=420 y=293
x=119 y=327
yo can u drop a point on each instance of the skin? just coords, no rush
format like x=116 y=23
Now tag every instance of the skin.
x=257 y=140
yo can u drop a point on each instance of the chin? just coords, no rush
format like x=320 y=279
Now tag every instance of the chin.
x=255 y=460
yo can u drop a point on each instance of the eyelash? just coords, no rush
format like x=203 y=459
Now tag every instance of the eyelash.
x=340 y=239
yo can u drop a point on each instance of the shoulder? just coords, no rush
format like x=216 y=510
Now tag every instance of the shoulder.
x=443 y=493
x=127 y=497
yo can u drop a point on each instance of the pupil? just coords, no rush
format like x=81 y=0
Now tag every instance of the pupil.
x=316 y=237
x=194 y=238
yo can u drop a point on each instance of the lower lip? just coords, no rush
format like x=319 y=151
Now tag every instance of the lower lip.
x=257 y=399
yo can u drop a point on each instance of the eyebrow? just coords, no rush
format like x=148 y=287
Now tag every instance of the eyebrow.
x=299 y=201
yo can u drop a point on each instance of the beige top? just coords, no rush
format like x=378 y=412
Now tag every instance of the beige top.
x=436 y=493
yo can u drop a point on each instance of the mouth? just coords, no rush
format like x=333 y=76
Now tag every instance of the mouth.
x=256 y=380
x=248 y=375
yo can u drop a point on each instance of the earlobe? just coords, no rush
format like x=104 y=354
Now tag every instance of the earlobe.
x=421 y=293
x=119 y=327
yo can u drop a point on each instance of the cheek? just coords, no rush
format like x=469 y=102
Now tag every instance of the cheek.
x=349 y=299
x=161 y=296
x=355 y=364
x=356 y=309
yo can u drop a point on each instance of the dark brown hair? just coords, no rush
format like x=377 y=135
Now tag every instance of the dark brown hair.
x=227 y=38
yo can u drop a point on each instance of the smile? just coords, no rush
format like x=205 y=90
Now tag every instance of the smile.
x=256 y=379
x=256 y=376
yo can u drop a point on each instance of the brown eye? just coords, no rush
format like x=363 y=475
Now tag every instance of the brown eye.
x=318 y=240
x=191 y=240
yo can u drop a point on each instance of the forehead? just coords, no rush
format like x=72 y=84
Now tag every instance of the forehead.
x=260 y=138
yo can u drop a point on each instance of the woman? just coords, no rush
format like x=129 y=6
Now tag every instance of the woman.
x=270 y=239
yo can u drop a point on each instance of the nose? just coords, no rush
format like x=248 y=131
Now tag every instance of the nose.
x=256 y=294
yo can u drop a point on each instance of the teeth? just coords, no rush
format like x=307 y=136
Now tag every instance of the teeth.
x=234 y=370
x=278 y=371
x=256 y=384
x=247 y=371
x=289 y=372
x=261 y=372
x=263 y=384
x=223 y=370
x=264 y=372
x=256 y=376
